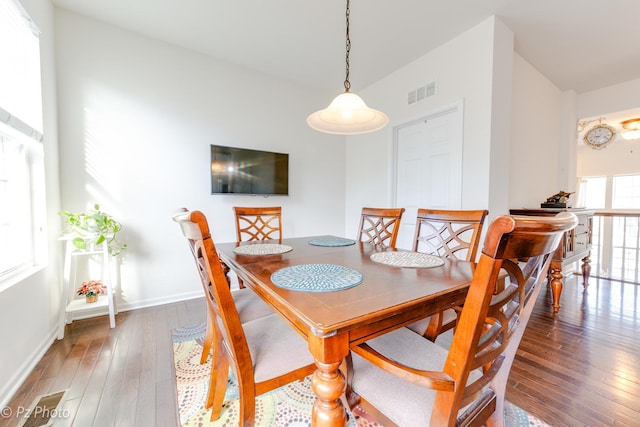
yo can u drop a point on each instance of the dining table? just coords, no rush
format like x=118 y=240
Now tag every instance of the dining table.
x=336 y=292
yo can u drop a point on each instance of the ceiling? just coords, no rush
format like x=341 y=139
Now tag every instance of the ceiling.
x=578 y=44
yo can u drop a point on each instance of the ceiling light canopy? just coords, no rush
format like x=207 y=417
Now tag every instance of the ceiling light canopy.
x=347 y=114
x=630 y=129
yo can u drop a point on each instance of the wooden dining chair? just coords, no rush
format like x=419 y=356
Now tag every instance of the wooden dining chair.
x=414 y=382
x=380 y=226
x=451 y=234
x=264 y=354
x=249 y=305
x=258 y=223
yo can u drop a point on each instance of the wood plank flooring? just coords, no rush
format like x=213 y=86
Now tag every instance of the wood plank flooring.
x=580 y=367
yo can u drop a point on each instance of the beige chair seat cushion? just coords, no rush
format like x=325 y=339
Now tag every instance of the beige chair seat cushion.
x=275 y=347
x=404 y=403
x=249 y=305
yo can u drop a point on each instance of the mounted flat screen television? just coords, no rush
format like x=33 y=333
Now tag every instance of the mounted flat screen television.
x=243 y=171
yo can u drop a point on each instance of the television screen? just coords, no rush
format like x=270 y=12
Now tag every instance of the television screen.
x=243 y=171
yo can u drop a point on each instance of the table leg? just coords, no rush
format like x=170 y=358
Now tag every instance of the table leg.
x=586 y=270
x=556 y=284
x=328 y=381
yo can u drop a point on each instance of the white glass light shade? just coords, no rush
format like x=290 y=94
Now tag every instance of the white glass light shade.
x=347 y=115
x=630 y=134
x=631 y=129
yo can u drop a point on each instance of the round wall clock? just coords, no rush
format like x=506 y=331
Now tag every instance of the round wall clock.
x=599 y=136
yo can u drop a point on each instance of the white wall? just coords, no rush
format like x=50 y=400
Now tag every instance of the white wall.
x=620 y=157
x=137 y=117
x=29 y=309
x=536 y=137
x=499 y=138
x=463 y=69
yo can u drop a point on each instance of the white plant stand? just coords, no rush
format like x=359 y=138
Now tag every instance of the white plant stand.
x=73 y=305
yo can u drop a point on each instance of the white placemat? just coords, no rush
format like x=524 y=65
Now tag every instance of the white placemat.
x=262 y=249
x=316 y=277
x=407 y=259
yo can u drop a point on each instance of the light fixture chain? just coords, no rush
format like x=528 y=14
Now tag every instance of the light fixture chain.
x=347 y=83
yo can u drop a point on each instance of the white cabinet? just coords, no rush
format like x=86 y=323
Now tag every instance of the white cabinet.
x=71 y=303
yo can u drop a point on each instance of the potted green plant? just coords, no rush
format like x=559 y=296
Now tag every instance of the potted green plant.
x=91 y=289
x=94 y=226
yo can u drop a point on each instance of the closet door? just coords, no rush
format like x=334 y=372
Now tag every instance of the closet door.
x=428 y=168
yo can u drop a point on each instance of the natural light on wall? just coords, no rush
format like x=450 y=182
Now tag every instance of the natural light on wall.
x=99 y=137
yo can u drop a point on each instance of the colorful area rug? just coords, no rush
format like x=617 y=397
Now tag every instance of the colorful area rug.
x=288 y=406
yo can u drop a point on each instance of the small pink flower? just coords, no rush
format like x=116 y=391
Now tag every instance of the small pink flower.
x=91 y=287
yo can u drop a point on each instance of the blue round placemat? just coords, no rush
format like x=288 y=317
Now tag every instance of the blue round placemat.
x=332 y=241
x=316 y=277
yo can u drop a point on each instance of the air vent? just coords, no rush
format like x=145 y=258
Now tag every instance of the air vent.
x=42 y=410
x=421 y=93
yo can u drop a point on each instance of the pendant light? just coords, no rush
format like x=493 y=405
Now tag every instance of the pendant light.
x=347 y=114
x=630 y=129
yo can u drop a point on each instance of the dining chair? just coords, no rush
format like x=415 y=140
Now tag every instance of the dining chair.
x=249 y=305
x=451 y=234
x=264 y=354
x=258 y=223
x=415 y=382
x=380 y=226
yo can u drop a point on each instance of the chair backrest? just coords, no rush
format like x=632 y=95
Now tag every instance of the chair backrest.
x=449 y=233
x=491 y=326
x=256 y=223
x=280 y=358
x=195 y=228
x=380 y=226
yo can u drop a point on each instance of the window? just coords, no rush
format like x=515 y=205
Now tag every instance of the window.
x=591 y=192
x=610 y=192
x=616 y=236
x=22 y=210
x=20 y=88
x=16 y=231
x=626 y=192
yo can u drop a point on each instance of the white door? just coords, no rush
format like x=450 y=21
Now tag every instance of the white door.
x=428 y=167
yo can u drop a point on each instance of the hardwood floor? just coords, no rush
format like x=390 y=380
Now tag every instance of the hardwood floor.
x=114 y=377
x=580 y=367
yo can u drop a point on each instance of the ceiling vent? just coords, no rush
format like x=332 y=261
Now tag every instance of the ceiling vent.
x=421 y=93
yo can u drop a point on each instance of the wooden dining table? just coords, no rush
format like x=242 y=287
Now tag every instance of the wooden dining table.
x=387 y=298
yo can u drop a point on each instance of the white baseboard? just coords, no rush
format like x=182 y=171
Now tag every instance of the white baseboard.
x=160 y=301
x=9 y=389
x=140 y=304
